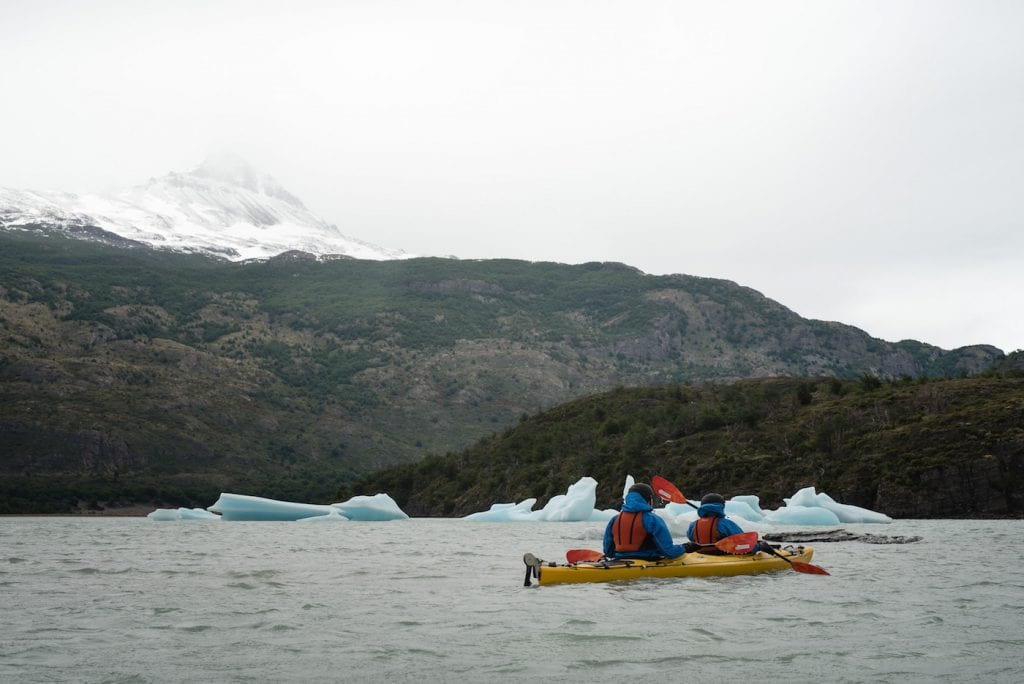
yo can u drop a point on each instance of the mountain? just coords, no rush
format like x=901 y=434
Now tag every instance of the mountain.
x=139 y=375
x=223 y=208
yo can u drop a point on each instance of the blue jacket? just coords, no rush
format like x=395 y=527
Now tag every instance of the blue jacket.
x=657 y=532
x=726 y=527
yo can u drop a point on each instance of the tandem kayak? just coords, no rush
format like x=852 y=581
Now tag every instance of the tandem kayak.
x=687 y=565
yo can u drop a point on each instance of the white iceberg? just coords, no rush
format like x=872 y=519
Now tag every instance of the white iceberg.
x=806 y=507
x=505 y=512
x=245 y=507
x=802 y=515
x=166 y=514
x=752 y=502
x=845 y=513
x=333 y=516
x=576 y=505
x=367 y=508
x=741 y=509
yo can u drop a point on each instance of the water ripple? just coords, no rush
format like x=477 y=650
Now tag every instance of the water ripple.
x=127 y=600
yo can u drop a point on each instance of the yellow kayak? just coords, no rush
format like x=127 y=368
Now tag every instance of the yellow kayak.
x=687 y=565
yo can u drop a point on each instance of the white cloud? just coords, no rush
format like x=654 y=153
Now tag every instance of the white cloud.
x=850 y=159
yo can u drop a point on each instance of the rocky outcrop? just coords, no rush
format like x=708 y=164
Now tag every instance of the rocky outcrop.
x=817 y=536
x=990 y=486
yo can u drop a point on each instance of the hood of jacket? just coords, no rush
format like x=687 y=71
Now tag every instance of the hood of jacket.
x=635 y=503
x=711 y=509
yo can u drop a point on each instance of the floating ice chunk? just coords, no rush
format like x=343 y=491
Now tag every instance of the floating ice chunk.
x=804 y=497
x=376 y=507
x=244 y=507
x=197 y=514
x=802 y=515
x=164 y=514
x=505 y=512
x=844 y=513
x=333 y=516
x=576 y=505
x=603 y=515
x=679 y=509
x=851 y=514
x=741 y=509
x=753 y=501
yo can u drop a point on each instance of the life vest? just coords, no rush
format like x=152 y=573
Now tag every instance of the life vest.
x=705 y=533
x=628 y=531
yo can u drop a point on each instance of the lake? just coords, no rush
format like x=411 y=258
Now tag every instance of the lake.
x=436 y=600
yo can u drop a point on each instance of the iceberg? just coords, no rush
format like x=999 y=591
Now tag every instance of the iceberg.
x=845 y=513
x=165 y=514
x=802 y=515
x=576 y=505
x=742 y=509
x=805 y=507
x=333 y=516
x=245 y=507
x=505 y=512
x=370 y=508
x=753 y=502
x=362 y=508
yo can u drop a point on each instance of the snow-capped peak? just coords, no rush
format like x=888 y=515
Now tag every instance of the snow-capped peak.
x=224 y=207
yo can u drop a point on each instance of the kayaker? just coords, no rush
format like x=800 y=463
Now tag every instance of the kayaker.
x=637 y=532
x=711 y=525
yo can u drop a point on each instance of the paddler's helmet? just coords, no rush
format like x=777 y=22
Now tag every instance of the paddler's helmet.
x=643 y=490
x=712 y=498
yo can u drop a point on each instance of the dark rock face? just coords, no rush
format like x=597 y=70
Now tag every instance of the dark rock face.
x=985 y=487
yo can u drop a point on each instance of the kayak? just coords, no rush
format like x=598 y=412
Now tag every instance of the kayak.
x=687 y=565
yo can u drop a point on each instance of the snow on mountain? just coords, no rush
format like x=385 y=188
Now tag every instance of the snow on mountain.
x=223 y=208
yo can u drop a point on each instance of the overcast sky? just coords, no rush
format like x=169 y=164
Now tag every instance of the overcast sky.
x=856 y=161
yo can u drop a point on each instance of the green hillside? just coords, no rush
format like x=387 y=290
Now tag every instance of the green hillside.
x=907 y=448
x=131 y=375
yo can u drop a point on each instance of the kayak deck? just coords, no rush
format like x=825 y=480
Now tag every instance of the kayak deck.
x=687 y=565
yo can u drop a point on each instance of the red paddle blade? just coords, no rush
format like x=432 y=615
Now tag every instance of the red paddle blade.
x=808 y=568
x=583 y=555
x=666 y=490
x=738 y=544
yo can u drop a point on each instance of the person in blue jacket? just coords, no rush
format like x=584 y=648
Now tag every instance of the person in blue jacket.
x=712 y=525
x=636 y=532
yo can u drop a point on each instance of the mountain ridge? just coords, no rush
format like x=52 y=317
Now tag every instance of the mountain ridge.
x=143 y=374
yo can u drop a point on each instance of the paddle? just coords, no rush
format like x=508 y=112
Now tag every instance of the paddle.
x=669 y=491
x=583 y=555
x=739 y=544
x=808 y=568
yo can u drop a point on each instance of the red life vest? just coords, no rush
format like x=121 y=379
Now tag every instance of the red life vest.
x=628 y=532
x=706 y=534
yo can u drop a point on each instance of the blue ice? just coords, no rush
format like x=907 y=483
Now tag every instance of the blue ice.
x=162 y=514
x=806 y=507
x=576 y=505
x=362 y=508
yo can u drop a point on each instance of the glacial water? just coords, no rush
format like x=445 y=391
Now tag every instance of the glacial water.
x=132 y=600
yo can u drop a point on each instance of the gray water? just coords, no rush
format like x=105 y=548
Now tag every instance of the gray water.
x=131 y=600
